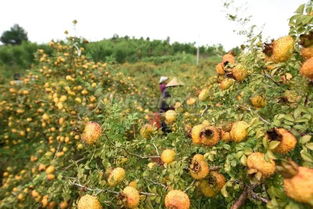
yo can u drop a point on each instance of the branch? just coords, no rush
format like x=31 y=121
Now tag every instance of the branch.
x=215 y=168
x=156 y=149
x=268 y=76
x=256 y=196
x=241 y=200
x=156 y=183
x=206 y=109
x=190 y=186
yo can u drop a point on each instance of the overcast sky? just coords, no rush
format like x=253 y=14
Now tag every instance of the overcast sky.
x=201 y=21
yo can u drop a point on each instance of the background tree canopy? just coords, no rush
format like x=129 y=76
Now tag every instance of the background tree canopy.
x=15 y=36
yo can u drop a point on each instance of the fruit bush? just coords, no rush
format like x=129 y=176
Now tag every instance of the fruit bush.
x=79 y=134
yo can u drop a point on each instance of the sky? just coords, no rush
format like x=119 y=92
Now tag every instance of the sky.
x=201 y=21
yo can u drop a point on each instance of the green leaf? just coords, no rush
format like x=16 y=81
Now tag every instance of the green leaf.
x=306 y=156
x=243 y=160
x=305 y=139
x=309 y=146
x=273 y=144
x=300 y=9
x=224 y=191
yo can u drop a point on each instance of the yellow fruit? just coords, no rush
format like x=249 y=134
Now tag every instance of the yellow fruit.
x=220 y=69
x=20 y=197
x=131 y=197
x=45 y=116
x=191 y=101
x=168 y=156
x=50 y=169
x=225 y=136
x=226 y=83
x=239 y=131
x=133 y=184
x=177 y=199
x=199 y=168
x=213 y=185
x=257 y=162
x=92 y=132
x=239 y=73
x=299 y=186
x=228 y=59
x=63 y=205
x=116 y=176
x=204 y=94
x=258 y=101
x=50 y=176
x=35 y=194
x=282 y=49
x=147 y=130
x=170 y=116
x=204 y=134
x=287 y=140
x=89 y=202
x=307 y=53
x=307 y=69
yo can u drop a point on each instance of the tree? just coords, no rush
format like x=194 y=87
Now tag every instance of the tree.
x=15 y=36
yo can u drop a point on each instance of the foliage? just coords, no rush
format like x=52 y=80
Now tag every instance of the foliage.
x=15 y=36
x=44 y=115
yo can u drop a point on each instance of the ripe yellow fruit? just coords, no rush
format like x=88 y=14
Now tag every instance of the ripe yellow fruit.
x=205 y=134
x=239 y=73
x=258 y=101
x=191 y=101
x=228 y=59
x=212 y=186
x=199 y=168
x=63 y=205
x=131 y=197
x=116 y=176
x=287 y=140
x=307 y=69
x=177 y=199
x=257 y=162
x=168 y=156
x=226 y=83
x=170 y=116
x=89 y=202
x=282 y=49
x=20 y=197
x=299 y=186
x=45 y=116
x=50 y=169
x=204 y=94
x=50 y=176
x=220 y=69
x=147 y=130
x=133 y=184
x=92 y=132
x=239 y=131
x=225 y=136
x=307 y=53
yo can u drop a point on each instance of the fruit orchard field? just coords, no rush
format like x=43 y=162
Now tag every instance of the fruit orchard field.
x=79 y=134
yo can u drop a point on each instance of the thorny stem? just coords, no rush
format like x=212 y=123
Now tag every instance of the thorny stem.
x=190 y=186
x=248 y=192
x=268 y=76
x=156 y=149
x=206 y=109
x=156 y=183
x=73 y=164
x=241 y=200
x=249 y=109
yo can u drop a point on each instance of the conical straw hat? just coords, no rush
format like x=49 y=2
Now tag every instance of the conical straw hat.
x=174 y=82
